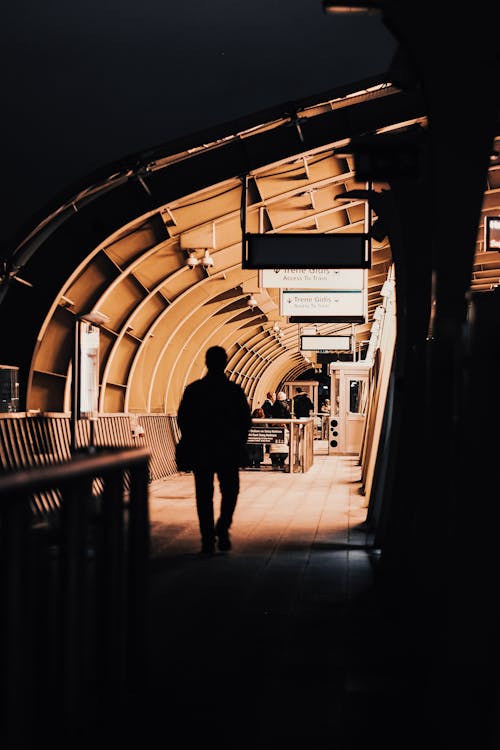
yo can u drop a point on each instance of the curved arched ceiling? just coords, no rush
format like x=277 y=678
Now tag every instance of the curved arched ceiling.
x=120 y=245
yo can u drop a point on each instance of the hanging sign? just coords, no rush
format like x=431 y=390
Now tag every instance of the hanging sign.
x=325 y=343
x=308 y=304
x=306 y=250
x=312 y=278
x=492 y=233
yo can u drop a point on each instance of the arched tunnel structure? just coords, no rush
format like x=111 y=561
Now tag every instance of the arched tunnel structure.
x=119 y=243
x=411 y=160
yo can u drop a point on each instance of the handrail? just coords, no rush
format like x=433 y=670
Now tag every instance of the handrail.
x=73 y=621
x=82 y=464
x=301 y=456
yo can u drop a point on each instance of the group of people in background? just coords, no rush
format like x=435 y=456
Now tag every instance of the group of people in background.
x=276 y=405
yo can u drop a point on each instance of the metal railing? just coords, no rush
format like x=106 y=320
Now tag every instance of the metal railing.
x=73 y=596
x=300 y=441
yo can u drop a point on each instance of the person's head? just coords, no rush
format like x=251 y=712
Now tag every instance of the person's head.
x=299 y=389
x=216 y=359
x=258 y=413
x=281 y=396
x=271 y=396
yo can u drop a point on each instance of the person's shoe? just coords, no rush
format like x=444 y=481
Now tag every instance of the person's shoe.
x=223 y=541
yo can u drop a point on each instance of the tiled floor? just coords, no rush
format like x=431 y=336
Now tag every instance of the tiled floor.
x=297 y=638
x=278 y=643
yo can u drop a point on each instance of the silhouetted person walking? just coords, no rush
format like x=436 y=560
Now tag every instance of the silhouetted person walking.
x=214 y=418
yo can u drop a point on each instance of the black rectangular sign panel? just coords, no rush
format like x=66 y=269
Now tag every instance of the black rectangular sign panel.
x=306 y=250
x=265 y=434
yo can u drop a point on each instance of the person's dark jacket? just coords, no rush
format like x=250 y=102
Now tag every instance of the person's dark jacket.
x=214 y=419
x=302 y=405
x=267 y=405
x=280 y=410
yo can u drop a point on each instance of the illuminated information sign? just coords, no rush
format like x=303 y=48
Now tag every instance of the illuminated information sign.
x=492 y=233
x=346 y=305
x=312 y=278
x=325 y=343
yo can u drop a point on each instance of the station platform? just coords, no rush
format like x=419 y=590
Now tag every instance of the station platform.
x=281 y=642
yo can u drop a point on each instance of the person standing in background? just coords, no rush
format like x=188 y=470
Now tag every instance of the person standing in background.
x=279 y=449
x=214 y=419
x=267 y=407
x=325 y=413
x=280 y=408
x=255 y=451
x=267 y=404
x=302 y=404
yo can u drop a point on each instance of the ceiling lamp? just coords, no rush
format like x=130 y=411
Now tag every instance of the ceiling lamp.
x=251 y=301
x=207 y=261
x=354 y=6
x=192 y=261
x=276 y=327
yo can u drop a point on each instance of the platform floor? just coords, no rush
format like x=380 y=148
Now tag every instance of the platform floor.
x=279 y=643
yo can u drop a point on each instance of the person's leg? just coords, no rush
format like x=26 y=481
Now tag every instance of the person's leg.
x=281 y=460
x=250 y=455
x=259 y=456
x=204 y=485
x=229 y=483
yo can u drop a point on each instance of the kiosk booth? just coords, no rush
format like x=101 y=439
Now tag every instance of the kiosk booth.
x=349 y=386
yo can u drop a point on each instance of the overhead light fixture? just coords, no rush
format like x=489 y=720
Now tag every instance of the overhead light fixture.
x=207 y=261
x=251 y=301
x=192 y=260
x=355 y=6
x=276 y=327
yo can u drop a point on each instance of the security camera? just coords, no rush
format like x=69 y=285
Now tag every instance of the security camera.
x=207 y=261
x=192 y=261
